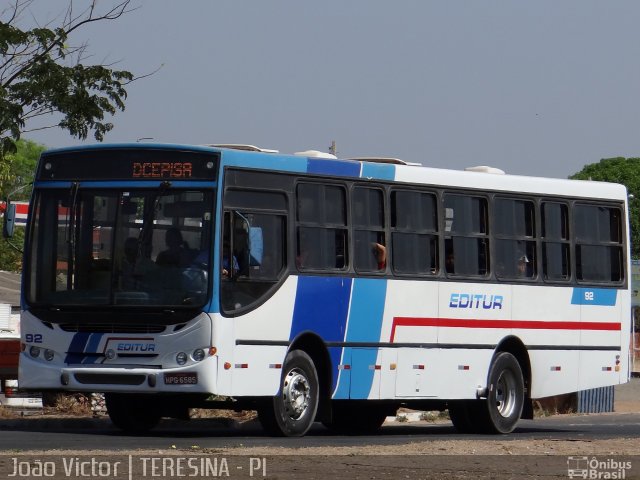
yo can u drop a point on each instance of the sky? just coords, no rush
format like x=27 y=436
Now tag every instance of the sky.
x=531 y=87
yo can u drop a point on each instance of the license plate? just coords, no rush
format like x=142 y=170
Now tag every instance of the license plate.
x=184 y=378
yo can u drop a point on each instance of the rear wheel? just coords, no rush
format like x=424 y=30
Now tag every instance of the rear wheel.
x=293 y=410
x=505 y=396
x=133 y=413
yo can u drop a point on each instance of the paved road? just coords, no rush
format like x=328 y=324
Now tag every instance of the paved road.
x=85 y=439
x=89 y=434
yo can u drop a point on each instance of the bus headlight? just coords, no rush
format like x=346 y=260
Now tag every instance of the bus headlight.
x=34 y=351
x=198 y=355
x=181 y=358
x=48 y=355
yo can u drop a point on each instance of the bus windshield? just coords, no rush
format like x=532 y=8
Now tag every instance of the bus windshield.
x=120 y=247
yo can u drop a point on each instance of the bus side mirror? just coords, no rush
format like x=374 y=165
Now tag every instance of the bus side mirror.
x=9 y=220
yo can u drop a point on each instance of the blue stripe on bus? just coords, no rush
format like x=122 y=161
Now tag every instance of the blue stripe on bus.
x=379 y=171
x=78 y=342
x=334 y=167
x=287 y=163
x=41 y=185
x=365 y=325
x=322 y=305
x=604 y=297
x=92 y=347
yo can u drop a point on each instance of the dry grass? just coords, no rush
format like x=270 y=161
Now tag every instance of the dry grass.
x=434 y=416
x=559 y=404
x=76 y=404
x=241 y=416
x=6 y=412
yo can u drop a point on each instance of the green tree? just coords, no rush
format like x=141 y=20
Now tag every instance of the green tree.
x=625 y=171
x=10 y=257
x=41 y=74
x=18 y=169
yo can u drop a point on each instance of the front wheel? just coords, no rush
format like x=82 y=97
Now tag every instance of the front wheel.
x=133 y=413
x=505 y=397
x=293 y=410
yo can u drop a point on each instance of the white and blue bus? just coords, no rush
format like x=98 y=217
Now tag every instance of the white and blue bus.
x=318 y=289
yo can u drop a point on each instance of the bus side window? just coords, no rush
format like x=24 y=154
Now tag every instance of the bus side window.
x=370 y=251
x=515 y=236
x=321 y=227
x=556 y=257
x=598 y=243
x=414 y=232
x=253 y=257
x=467 y=235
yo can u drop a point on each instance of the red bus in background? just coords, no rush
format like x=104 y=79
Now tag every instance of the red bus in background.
x=22 y=210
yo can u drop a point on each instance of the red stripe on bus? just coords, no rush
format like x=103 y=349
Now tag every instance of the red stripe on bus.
x=522 y=324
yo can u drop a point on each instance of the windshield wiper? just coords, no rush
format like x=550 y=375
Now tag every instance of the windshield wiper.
x=71 y=225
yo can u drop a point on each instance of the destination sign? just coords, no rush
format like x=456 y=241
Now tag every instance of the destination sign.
x=162 y=170
x=128 y=164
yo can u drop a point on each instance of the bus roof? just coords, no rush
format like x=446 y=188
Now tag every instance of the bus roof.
x=482 y=178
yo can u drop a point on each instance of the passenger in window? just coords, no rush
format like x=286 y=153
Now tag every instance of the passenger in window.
x=178 y=253
x=229 y=267
x=380 y=254
x=523 y=267
x=449 y=263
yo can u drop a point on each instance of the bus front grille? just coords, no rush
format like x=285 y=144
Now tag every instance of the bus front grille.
x=109 y=379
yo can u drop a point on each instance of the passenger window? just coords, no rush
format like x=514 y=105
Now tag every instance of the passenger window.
x=598 y=237
x=556 y=260
x=515 y=248
x=321 y=232
x=414 y=232
x=370 y=246
x=466 y=240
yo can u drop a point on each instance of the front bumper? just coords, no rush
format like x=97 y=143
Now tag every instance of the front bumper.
x=99 y=378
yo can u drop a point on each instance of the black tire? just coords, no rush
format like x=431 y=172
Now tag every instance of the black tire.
x=358 y=418
x=505 y=395
x=132 y=413
x=464 y=415
x=293 y=410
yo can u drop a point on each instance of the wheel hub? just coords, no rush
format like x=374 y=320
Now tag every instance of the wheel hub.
x=506 y=393
x=296 y=393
